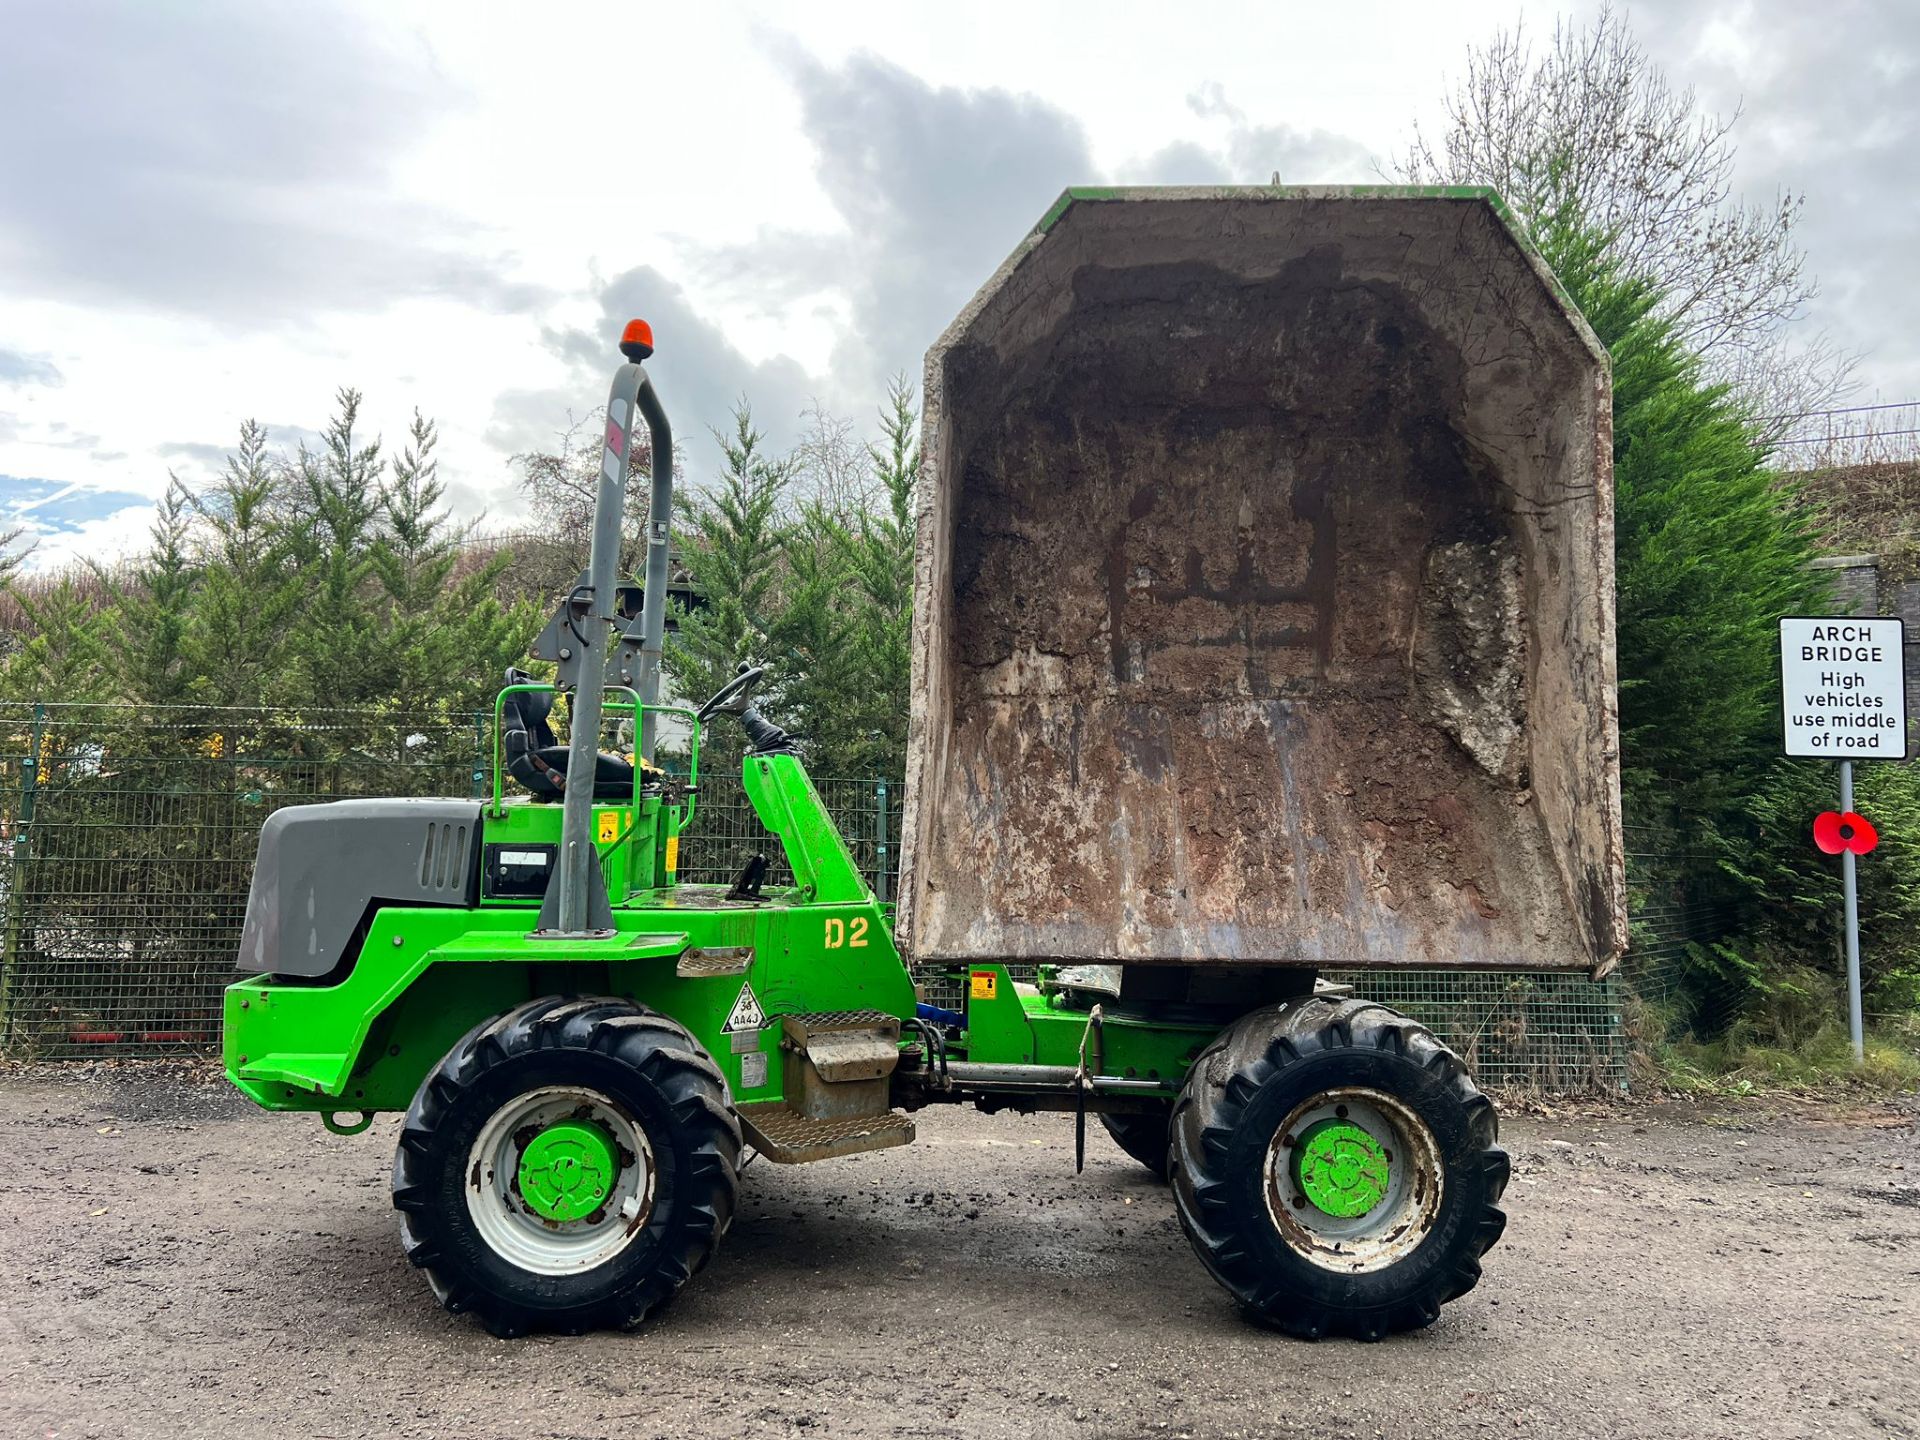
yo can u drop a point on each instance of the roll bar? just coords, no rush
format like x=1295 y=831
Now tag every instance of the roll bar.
x=631 y=397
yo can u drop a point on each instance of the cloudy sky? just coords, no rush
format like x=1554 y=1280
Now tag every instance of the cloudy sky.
x=211 y=211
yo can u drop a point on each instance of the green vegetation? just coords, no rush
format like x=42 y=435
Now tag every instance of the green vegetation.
x=1712 y=548
x=1627 y=186
x=334 y=578
x=317 y=580
x=1734 y=1063
x=806 y=562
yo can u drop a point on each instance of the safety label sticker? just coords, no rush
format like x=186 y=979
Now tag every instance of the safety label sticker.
x=746 y=1014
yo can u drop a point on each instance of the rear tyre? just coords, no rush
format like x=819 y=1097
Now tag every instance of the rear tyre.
x=1144 y=1137
x=567 y=1167
x=1336 y=1169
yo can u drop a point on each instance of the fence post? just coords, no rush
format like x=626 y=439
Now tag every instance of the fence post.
x=17 y=873
x=482 y=762
x=881 y=883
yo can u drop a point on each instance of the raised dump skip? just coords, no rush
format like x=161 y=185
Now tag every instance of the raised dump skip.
x=1264 y=607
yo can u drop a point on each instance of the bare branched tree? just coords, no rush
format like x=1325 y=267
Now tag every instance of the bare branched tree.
x=1593 y=129
x=830 y=463
x=560 y=486
x=1858 y=439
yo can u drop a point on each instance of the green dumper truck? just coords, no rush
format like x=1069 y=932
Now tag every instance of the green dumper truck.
x=1263 y=623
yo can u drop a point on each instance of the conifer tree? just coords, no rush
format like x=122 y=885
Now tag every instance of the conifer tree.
x=237 y=635
x=156 y=602
x=336 y=642
x=1711 y=548
x=733 y=537
x=67 y=652
x=854 y=605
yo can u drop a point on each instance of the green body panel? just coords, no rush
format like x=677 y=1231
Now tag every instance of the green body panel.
x=1131 y=1046
x=787 y=804
x=426 y=975
x=1013 y=1024
x=633 y=841
x=1088 y=194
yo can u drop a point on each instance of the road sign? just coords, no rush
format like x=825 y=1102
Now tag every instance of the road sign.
x=1843 y=696
x=1843 y=691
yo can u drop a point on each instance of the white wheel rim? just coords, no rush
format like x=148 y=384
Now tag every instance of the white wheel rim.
x=1394 y=1227
x=511 y=1227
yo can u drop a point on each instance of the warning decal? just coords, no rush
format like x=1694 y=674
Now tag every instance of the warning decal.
x=981 y=984
x=746 y=1013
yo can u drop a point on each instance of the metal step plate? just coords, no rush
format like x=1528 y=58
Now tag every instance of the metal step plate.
x=697 y=963
x=787 y=1137
x=814 y=1020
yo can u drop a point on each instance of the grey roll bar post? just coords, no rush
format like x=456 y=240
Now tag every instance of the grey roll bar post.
x=632 y=397
x=653 y=606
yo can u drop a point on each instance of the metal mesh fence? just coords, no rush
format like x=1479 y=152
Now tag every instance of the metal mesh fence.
x=1667 y=916
x=725 y=832
x=127 y=842
x=1528 y=1029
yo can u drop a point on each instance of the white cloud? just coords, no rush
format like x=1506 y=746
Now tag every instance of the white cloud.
x=231 y=212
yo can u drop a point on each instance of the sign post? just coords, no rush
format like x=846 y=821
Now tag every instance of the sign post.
x=1843 y=696
x=1850 y=888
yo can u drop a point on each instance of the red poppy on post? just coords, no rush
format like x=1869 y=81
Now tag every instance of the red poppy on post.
x=1834 y=832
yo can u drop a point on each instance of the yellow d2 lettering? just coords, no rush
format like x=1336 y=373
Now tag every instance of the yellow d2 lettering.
x=836 y=933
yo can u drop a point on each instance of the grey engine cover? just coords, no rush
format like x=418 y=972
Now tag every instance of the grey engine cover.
x=320 y=865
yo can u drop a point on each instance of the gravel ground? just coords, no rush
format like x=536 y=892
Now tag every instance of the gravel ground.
x=180 y=1264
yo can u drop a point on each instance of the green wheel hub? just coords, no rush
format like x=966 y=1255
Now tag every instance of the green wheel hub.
x=568 y=1170
x=1341 y=1168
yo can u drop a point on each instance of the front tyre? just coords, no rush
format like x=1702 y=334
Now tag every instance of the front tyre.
x=568 y=1166
x=1336 y=1169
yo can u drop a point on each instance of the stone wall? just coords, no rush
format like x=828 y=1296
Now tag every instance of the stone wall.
x=1861 y=590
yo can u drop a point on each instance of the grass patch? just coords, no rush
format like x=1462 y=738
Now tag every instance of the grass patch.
x=1739 y=1064
x=1786 y=1036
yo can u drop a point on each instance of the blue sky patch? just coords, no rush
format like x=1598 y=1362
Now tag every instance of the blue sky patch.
x=50 y=507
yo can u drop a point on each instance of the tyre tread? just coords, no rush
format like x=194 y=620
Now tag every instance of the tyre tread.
x=694 y=1094
x=1222 y=1082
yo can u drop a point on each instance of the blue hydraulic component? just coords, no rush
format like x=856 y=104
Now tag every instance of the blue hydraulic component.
x=937 y=1016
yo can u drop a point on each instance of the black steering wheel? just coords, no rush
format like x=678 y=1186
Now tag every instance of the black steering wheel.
x=738 y=688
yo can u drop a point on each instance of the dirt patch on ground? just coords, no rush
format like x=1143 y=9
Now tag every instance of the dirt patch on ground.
x=181 y=1264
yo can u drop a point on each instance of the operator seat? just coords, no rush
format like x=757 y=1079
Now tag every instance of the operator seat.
x=538 y=762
